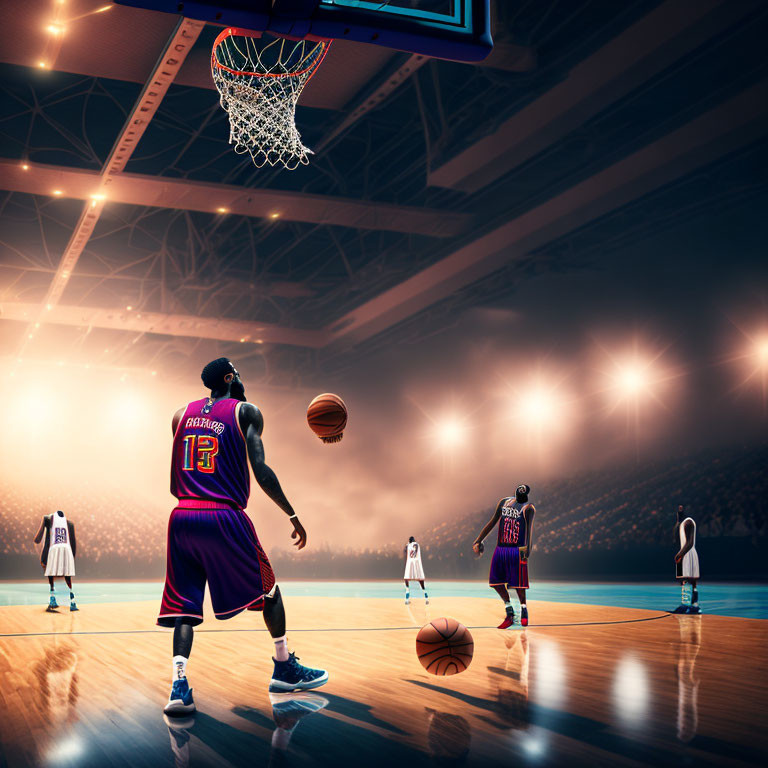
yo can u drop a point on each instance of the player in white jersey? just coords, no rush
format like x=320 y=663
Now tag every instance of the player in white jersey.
x=414 y=570
x=58 y=555
x=687 y=563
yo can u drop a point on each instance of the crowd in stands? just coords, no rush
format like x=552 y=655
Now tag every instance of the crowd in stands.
x=610 y=510
x=726 y=492
x=106 y=525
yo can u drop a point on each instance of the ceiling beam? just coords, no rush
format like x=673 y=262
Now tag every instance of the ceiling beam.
x=165 y=70
x=718 y=132
x=193 y=326
x=649 y=46
x=726 y=128
x=160 y=192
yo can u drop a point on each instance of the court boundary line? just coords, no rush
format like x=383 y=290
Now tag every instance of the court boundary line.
x=160 y=631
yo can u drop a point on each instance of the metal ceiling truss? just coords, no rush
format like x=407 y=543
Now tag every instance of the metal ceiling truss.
x=187 y=274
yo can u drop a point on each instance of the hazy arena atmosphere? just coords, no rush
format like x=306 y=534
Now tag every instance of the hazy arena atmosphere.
x=386 y=383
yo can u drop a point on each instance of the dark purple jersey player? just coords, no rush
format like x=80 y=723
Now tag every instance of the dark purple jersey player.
x=509 y=566
x=212 y=540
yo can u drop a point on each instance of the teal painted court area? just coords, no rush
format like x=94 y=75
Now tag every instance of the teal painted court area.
x=733 y=599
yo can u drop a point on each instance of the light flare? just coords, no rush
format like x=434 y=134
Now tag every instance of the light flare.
x=450 y=431
x=753 y=360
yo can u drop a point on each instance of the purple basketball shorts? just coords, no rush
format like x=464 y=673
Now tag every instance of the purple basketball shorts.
x=209 y=542
x=507 y=568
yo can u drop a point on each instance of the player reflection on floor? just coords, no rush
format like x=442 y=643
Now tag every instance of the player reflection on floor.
x=58 y=688
x=509 y=684
x=287 y=712
x=687 y=680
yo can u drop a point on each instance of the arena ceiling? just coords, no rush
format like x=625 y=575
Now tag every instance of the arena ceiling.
x=132 y=235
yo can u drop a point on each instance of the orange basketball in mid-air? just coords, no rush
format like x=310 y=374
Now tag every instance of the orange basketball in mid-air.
x=445 y=647
x=327 y=417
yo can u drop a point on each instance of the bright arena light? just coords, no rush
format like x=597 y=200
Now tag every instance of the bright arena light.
x=753 y=359
x=639 y=384
x=761 y=352
x=450 y=431
x=447 y=432
x=542 y=408
x=635 y=378
x=535 y=404
x=632 y=379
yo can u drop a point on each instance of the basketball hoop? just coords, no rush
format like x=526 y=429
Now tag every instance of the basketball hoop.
x=259 y=83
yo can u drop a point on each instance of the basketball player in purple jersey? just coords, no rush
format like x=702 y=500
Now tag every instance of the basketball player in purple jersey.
x=509 y=566
x=211 y=539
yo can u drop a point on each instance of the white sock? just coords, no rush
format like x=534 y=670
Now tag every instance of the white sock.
x=179 y=667
x=522 y=605
x=281 y=648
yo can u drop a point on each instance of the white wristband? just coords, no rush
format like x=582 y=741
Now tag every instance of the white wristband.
x=292 y=516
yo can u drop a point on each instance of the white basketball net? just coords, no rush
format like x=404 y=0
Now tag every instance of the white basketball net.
x=259 y=82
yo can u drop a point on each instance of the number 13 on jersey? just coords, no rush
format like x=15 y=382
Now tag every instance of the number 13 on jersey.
x=200 y=453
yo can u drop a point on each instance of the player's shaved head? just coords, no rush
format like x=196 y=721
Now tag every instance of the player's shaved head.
x=521 y=493
x=411 y=539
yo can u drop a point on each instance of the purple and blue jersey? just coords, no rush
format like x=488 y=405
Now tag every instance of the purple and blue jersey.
x=210 y=459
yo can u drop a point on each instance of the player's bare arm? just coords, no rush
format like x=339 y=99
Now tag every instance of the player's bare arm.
x=44 y=532
x=252 y=424
x=528 y=513
x=40 y=531
x=689 y=534
x=72 y=538
x=489 y=526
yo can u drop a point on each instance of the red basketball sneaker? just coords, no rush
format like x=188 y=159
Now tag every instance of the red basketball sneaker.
x=524 y=616
x=508 y=621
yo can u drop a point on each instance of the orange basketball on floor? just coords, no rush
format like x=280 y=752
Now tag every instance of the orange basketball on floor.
x=327 y=417
x=445 y=647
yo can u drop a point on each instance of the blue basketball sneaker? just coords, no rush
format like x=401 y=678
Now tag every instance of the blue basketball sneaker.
x=73 y=606
x=52 y=604
x=180 y=702
x=291 y=676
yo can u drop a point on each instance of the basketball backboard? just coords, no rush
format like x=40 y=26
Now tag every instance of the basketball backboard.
x=448 y=29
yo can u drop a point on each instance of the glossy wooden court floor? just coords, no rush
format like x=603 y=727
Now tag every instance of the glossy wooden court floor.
x=584 y=685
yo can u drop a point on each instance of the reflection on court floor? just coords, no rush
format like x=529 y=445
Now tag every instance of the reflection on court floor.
x=585 y=685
